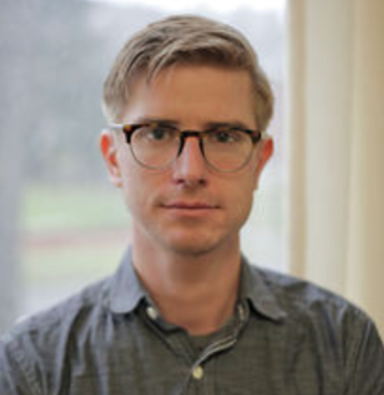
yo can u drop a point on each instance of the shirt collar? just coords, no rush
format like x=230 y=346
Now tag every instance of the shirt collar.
x=255 y=289
x=127 y=291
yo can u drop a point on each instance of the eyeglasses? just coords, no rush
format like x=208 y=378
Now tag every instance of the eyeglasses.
x=225 y=148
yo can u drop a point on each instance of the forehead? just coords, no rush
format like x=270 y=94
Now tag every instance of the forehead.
x=193 y=95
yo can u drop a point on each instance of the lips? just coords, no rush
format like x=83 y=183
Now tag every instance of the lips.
x=190 y=206
x=190 y=209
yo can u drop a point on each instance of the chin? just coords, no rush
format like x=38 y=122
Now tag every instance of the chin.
x=194 y=246
x=192 y=251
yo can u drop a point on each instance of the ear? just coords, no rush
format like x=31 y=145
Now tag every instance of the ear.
x=264 y=153
x=108 y=147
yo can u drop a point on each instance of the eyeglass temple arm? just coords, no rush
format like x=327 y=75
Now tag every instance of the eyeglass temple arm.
x=119 y=127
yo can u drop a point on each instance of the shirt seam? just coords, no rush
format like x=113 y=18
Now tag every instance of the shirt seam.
x=19 y=360
x=352 y=359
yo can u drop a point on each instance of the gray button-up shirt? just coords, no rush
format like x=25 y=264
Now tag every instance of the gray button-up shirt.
x=286 y=337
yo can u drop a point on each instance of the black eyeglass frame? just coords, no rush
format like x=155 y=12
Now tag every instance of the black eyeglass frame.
x=129 y=129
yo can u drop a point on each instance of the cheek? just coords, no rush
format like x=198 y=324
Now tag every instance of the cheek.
x=246 y=204
x=140 y=189
x=242 y=198
x=132 y=187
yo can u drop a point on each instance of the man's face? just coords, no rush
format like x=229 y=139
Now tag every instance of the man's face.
x=189 y=208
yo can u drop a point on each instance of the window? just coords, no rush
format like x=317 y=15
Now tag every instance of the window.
x=74 y=224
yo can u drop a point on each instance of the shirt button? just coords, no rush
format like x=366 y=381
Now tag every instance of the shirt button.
x=198 y=373
x=241 y=311
x=152 y=313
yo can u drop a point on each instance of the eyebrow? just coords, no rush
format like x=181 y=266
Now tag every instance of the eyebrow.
x=155 y=120
x=230 y=124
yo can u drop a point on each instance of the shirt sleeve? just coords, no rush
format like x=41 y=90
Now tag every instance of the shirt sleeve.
x=15 y=375
x=365 y=366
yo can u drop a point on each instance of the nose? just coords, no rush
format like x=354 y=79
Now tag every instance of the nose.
x=190 y=167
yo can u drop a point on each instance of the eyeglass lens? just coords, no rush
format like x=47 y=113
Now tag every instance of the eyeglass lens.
x=225 y=149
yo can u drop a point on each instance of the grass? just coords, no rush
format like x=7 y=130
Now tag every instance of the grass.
x=68 y=263
x=71 y=232
x=50 y=208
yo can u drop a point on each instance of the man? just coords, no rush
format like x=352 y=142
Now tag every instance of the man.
x=188 y=107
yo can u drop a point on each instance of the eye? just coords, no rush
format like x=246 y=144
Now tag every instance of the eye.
x=226 y=136
x=156 y=133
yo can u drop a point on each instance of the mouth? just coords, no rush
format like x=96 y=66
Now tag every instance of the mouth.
x=190 y=208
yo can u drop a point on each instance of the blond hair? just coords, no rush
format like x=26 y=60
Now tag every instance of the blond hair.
x=184 y=40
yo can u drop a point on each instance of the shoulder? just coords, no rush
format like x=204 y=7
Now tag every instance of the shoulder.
x=328 y=328
x=80 y=309
x=325 y=321
x=303 y=299
x=49 y=332
x=39 y=345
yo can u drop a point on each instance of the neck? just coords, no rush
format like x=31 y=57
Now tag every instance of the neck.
x=195 y=291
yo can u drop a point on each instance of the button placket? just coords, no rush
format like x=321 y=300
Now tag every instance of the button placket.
x=175 y=338
x=230 y=339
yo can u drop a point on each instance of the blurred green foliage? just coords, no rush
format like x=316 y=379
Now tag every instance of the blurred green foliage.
x=70 y=208
x=72 y=232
